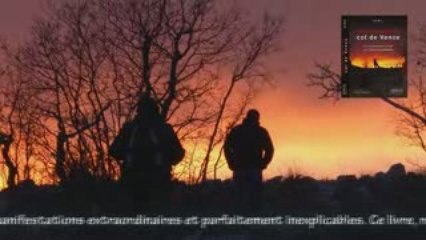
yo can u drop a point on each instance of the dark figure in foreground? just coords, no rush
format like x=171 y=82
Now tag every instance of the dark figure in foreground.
x=248 y=151
x=148 y=148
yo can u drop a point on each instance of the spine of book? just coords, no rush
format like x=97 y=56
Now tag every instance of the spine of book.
x=405 y=64
x=345 y=57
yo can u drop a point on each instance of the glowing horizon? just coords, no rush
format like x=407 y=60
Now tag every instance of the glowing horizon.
x=383 y=62
x=316 y=137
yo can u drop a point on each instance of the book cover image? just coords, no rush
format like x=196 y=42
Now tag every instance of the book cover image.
x=374 y=56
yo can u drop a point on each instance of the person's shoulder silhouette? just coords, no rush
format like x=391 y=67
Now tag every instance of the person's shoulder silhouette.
x=248 y=145
x=146 y=137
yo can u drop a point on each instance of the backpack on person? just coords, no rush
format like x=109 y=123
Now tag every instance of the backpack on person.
x=162 y=136
x=119 y=147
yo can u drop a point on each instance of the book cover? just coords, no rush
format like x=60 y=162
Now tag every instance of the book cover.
x=374 y=56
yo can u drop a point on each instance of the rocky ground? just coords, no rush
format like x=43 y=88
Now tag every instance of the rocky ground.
x=394 y=192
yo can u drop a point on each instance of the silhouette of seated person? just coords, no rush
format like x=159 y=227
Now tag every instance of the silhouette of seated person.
x=248 y=150
x=148 y=148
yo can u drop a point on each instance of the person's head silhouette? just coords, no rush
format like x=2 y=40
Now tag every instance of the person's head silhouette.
x=147 y=108
x=252 y=117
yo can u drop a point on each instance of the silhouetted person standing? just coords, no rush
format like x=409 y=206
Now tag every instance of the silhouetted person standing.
x=376 y=63
x=248 y=151
x=148 y=148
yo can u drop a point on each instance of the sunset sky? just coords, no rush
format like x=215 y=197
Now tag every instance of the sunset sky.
x=314 y=137
x=387 y=53
x=317 y=137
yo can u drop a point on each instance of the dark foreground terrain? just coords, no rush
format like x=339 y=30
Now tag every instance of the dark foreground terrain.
x=391 y=206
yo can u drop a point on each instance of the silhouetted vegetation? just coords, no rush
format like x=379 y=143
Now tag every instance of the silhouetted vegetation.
x=392 y=192
x=68 y=89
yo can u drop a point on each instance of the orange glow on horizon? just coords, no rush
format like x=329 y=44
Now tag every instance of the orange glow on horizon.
x=320 y=139
x=324 y=140
x=383 y=62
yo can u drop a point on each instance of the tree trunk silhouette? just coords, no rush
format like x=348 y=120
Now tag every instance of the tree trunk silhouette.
x=12 y=170
x=206 y=161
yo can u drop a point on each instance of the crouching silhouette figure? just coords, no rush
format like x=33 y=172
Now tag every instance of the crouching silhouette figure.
x=147 y=148
x=248 y=150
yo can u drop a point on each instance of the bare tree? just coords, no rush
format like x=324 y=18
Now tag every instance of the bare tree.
x=87 y=62
x=16 y=117
x=175 y=53
x=63 y=66
x=254 y=45
x=412 y=118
